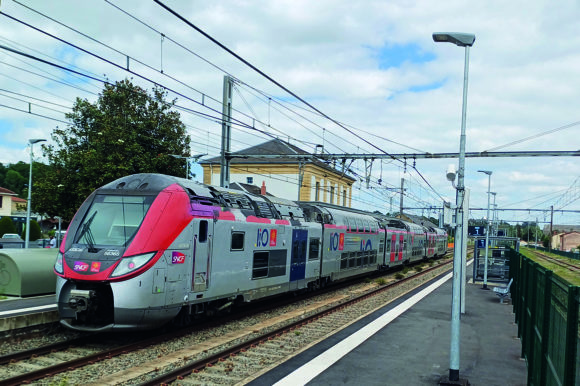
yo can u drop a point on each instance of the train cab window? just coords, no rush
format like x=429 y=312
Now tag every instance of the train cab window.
x=202 y=238
x=314 y=248
x=237 y=241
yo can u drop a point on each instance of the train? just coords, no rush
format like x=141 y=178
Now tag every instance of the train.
x=149 y=249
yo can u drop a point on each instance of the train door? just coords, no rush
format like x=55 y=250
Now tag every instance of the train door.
x=298 y=256
x=393 y=246
x=401 y=245
x=202 y=249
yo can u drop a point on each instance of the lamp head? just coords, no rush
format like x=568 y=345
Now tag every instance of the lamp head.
x=458 y=38
x=451 y=172
x=488 y=172
x=36 y=140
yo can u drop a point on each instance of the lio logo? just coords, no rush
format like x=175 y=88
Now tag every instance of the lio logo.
x=266 y=238
x=336 y=241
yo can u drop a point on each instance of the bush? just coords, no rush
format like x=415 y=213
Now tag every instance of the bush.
x=405 y=270
x=418 y=268
x=399 y=276
x=35 y=232
x=381 y=281
x=6 y=226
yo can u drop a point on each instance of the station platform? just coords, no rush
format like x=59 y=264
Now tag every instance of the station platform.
x=16 y=312
x=408 y=342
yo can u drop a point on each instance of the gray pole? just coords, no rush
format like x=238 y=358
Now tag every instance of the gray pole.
x=462 y=40
x=226 y=133
x=29 y=204
x=401 y=203
x=487 y=233
x=536 y=247
x=551 y=226
x=457 y=252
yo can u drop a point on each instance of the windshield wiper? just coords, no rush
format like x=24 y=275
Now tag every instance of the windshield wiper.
x=87 y=233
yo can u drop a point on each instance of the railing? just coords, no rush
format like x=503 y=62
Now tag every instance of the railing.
x=546 y=309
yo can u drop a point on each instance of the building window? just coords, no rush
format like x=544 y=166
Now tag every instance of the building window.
x=249 y=180
x=332 y=195
x=317 y=192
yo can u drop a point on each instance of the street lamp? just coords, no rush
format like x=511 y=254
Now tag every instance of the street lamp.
x=463 y=40
x=27 y=237
x=487 y=228
x=187 y=161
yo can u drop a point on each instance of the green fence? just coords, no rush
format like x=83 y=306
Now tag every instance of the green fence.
x=546 y=309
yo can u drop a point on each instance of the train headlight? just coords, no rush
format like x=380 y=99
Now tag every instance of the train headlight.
x=58 y=264
x=130 y=264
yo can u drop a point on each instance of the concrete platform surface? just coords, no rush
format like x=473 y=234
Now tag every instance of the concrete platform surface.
x=414 y=348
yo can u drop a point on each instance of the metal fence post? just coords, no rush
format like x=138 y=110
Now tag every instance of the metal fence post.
x=571 y=360
x=545 y=331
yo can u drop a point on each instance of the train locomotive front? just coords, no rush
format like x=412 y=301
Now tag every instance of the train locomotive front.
x=112 y=262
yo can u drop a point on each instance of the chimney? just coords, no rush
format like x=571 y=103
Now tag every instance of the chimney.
x=263 y=188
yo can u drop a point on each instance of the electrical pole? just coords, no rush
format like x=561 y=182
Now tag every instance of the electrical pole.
x=226 y=132
x=401 y=205
x=551 y=226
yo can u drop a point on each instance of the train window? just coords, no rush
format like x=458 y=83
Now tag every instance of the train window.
x=359 y=258
x=314 y=248
x=381 y=246
x=238 y=241
x=260 y=266
x=344 y=261
x=202 y=238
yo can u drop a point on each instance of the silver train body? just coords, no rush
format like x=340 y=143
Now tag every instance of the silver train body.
x=148 y=249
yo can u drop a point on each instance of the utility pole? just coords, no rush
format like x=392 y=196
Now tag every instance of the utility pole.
x=226 y=132
x=536 y=233
x=402 y=190
x=551 y=226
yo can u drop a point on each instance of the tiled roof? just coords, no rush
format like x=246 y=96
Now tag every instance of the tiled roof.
x=274 y=146
x=7 y=192
x=18 y=199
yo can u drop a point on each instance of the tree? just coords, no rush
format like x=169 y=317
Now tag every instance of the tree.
x=126 y=131
x=6 y=226
x=35 y=232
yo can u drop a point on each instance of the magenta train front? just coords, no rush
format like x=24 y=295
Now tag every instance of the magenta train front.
x=148 y=249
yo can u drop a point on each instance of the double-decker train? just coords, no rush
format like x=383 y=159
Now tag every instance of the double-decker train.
x=148 y=249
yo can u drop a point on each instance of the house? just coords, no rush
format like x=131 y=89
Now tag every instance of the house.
x=281 y=175
x=566 y=241
x=13 y=206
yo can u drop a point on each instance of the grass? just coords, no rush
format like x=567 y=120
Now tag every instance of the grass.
x=564 y=273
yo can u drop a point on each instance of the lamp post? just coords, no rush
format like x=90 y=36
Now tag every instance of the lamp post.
x=462 y=40
x=487 y=228
x=27 y=237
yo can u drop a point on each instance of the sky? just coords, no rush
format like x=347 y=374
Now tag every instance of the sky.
x=370 y=65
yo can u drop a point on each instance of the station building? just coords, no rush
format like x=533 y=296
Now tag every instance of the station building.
x=281 y=175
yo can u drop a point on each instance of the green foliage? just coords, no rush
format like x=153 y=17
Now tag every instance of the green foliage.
x=381 y=281
x=6 y=226
x=399 y=276
x=35 y=232
x=418 y=268
x=127 y=131
x=405 y=270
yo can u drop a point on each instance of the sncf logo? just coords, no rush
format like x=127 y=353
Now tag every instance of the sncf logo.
x=81 y=266
x=177 y=258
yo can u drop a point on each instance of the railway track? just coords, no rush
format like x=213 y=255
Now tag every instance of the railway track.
x=560 y=262
x=46 y=362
